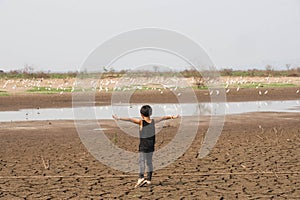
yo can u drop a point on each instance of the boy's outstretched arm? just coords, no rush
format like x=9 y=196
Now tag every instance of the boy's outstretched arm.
x=133 y=120
x=166 y=118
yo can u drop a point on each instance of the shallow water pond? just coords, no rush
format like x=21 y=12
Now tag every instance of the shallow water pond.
x=132 y=110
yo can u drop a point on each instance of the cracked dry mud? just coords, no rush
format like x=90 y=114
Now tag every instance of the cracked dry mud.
x=256 y=157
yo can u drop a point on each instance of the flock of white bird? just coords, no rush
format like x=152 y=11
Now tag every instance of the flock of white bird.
x=158 y=83
x=37 y=84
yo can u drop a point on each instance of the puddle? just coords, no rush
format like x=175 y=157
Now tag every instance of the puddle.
x=100 y=129
x=105 y=112
x=21 y=128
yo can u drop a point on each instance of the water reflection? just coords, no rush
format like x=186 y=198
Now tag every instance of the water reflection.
x=105 y=112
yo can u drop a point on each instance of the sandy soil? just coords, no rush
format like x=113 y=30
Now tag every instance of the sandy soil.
x=256 y=157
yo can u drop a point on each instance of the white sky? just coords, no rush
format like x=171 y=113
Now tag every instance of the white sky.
x=58 y=35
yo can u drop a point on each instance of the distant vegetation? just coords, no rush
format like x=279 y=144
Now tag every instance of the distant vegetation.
x=268 y=72
x=295 y=72
x=25 y=75
x=3 y=93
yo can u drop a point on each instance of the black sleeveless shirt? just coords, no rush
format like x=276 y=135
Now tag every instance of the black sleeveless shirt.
x=147 y=137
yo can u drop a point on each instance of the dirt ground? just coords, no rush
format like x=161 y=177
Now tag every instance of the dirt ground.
x=256 y=156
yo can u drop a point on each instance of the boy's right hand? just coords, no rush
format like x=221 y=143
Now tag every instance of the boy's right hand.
x=115 y=117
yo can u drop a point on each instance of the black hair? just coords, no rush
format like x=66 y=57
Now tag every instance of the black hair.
x=146 y=110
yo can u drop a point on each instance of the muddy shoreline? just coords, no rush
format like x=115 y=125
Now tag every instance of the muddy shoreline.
x=22 y=101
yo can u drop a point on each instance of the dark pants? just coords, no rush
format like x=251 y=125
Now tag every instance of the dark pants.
x=146 y=158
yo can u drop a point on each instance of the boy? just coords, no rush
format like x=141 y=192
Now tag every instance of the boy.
x=147 y=141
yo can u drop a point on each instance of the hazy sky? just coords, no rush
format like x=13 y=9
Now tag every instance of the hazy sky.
x=58 y=35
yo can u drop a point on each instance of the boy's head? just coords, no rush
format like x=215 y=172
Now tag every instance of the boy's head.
x=146 y=111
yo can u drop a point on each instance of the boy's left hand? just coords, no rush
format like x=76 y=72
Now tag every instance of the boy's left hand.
x=175 y=116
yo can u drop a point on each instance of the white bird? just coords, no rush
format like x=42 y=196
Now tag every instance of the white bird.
x=266 y=92
x=5 y=84
x=211 y=92
x=237 y=89
x=297 y=91
x=227 y=90
x=259 y=92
